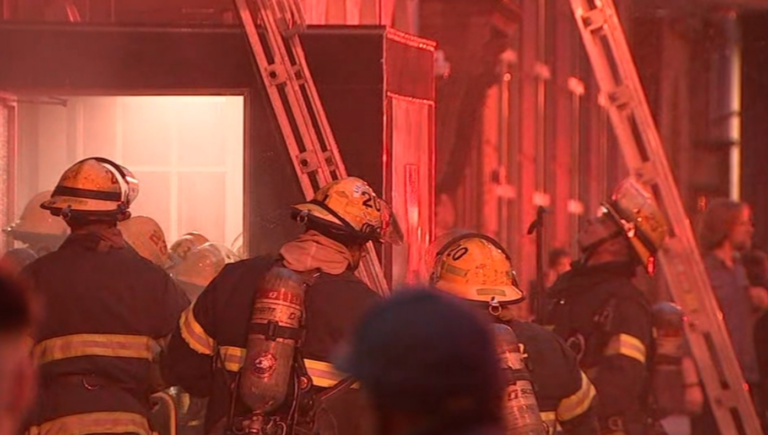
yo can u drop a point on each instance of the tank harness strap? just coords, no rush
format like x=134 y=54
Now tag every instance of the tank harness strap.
x=273 y=330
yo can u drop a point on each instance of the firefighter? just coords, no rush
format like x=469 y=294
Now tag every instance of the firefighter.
x=603 y=317
x=429 y=367
x=477 y=269
x=186 y=243
x=145 y=236
x=342 y=218
x=108 y=311
x=38 y=230
x=193 y=274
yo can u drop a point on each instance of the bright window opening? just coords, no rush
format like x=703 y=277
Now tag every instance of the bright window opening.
x=186 y=151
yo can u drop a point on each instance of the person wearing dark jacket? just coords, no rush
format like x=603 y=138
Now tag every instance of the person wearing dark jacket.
x=107 y=311
x=603 y=317
x=477 y=269
x=429 y=367
x=208 y=349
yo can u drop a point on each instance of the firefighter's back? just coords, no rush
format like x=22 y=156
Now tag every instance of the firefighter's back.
x=563 y=392
x=104 y=311
x=334 y=303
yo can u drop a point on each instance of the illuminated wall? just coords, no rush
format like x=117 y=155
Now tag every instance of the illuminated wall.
x=187 y=153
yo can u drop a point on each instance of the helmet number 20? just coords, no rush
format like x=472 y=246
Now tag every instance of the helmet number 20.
x=371 y=201
x=457 y=252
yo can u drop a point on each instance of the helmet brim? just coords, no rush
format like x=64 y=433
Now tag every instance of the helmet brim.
x=504 y=295
x=392 y=234
x=58 y=203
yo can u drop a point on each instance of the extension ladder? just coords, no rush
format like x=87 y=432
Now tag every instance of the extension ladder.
x=623 y=97
x=273 y=28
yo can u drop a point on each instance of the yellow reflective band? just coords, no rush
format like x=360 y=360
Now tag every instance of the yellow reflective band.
x=112 y=345
x=550 y=419
x=323 y=374
x=94 y=422
x=578 y=403
x=194 y=334
x=232 y=357
x=627 y=345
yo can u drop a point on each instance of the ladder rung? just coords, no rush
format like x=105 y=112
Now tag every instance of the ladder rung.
x=329 y=160
x=276 y=74
x=594 y=20
x=621 y=98
x=308 y=161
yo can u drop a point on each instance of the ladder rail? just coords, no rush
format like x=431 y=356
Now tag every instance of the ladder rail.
x=684 y=269
x=261 y=60
x=314 y=152
x=286 y=71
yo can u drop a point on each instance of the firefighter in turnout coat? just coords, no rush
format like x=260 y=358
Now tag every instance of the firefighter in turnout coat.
x=604 y=317
x=478 y=269
x=208 y=349
x=107 y=311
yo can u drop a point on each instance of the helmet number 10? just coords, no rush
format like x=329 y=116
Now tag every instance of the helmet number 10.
x=457 y=252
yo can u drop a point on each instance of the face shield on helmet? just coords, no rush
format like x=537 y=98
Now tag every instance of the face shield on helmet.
x=238 y=246
x=200 y=266
x=186 y=243
x=350 y=209
x=639 y=218
x=94 y=187
x=147 y=238
x=477 y=268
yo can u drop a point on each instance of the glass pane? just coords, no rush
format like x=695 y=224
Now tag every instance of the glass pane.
x=147 y=131
x=202 y=205
x=154 y=199
x=204 y=131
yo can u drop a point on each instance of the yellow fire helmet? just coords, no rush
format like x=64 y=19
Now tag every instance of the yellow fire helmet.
x=437 y=245
x=200 y=266
x=94 y=187
x=635 y=210
x=350 y=209
x=147 y=238
x=186 y=243
x=477 y=268
x=35 y=220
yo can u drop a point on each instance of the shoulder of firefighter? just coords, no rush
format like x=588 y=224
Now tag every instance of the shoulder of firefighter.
x=565 y=395
x=610 y=331
x=210 y=344
x=108 y=314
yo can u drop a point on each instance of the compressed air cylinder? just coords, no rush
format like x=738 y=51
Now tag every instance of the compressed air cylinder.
x=667 y=374
x=269 y=358
x=521 y=410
